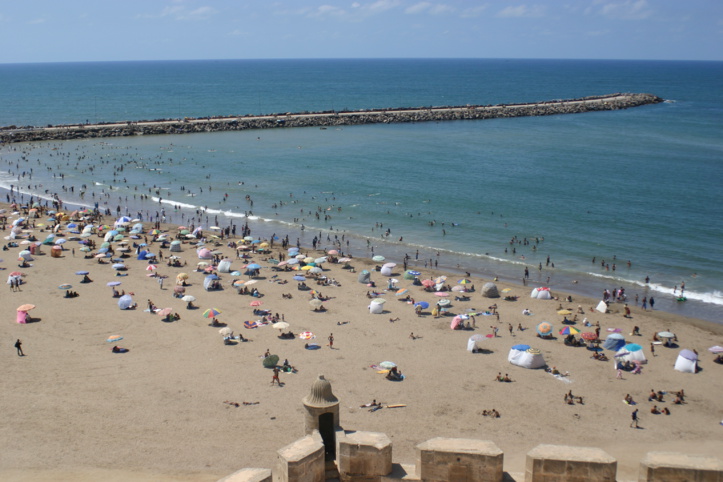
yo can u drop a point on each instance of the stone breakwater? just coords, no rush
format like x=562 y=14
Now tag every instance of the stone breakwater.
x=618 y=101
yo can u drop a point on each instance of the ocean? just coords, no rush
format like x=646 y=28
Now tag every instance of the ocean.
x=637 y=189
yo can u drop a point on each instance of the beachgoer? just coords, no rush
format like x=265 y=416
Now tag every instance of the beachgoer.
x=635 y=418
x=331 y=340
x=19 y=347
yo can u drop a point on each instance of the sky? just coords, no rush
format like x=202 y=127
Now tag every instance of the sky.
x=112 y=30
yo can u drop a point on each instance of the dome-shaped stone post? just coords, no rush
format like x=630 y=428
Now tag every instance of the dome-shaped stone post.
x=322 y=414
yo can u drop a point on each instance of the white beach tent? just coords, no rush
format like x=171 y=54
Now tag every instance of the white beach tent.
x=376 y=308
x=387 y=269
x=224 y=266
x=602 y=307
x=541 y=293
x=631 y=352
x=176 y=246
x=687 y=361
x=526 y=358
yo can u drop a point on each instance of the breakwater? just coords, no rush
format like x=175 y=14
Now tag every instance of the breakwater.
x=10 y=134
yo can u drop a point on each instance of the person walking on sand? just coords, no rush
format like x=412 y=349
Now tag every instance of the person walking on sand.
x=19 y=347
x=331 y=340
x=652 y=349
x=652 y=302
x=635 y=418
x=275 y=377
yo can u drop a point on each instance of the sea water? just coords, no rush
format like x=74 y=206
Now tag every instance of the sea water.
x=489 y=197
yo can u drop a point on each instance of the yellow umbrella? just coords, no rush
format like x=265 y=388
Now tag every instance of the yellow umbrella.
x=564 y=312
x=306 y=268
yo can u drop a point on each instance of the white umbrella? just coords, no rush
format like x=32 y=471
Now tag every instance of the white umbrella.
x=188 y=298
x=379 y=301
x=225 y=331
x=315 y=303
x=281 y=325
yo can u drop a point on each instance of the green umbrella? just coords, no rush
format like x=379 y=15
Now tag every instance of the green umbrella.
x=271 y=361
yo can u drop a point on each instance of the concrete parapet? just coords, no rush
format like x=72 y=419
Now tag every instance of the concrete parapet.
x=560 y=463
x=301 y=461
x=462 y=460
x=675 y=467
x=249 y=475
x=402 y=472
x=364 y=456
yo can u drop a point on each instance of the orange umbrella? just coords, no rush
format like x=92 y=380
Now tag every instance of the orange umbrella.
x=26 y=307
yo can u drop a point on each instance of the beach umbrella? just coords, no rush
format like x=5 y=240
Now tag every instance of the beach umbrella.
x=666 y=334
x=102 y=255
x=423 y=304
x=251 y=282
x=378 y=258
x=299 y=278
x=26 y=307
x=440 y=279
x=179 y=289
x=464 y=281
x=256 y=303
x=113 y=283
x=80 y=273
x=564 y=312
x=151 y=267
x=402 y=292
x=236 y=273
x=320 y=260
x=293 y=261
x=188 y=298
x=379 y=301
x=456 y=321
x=444 y=302
x=225 y=331
x=114 y=338
x=85 y=249
x=307 y=335
x=333 y=252
x=65 y=286
x=281 y=325
x=165 y=312
x=118 y=266
x=427 y=283
x=632 y=347
x=716 y=349
x=211 y=313
x=588 y=336
x=125 y=302
x=270 y=361
x=253 y=266
x=441 y=293
x=544 y=328
x=387 y=365
x=569 y=330
x=306 y=268
x=458 y=288
x=315 y=303
x=316 y=270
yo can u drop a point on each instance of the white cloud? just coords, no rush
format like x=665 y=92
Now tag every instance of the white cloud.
x=418 y=8
x=626 y=10
x=179 y=12
x=473 y=12
x=441 y=8
x=326 y=11
x=522 y=11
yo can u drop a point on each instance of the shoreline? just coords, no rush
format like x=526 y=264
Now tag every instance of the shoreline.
x=617 y=101
x=174 y=379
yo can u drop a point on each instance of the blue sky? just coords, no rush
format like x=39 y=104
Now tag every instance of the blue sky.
x=92 y=30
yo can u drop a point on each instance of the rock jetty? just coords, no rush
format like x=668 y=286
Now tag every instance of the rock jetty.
x=618 y=101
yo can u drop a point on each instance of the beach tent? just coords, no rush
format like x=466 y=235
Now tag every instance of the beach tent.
x=387 y=269
x=22 y=317
x=631 y=352
x=687 y=361
x=614 y=342
x=602 y=307
x=541 y=294
x=143 y=255
x=364 y=277
x=176 y=246
x=125 y=302
x=376 y=308
x=210 y=281
x=489 y=290
x=50 y=239
x=26 y=255
x=204 y=253
x=529 y=358
x=56 y=251
x=224 y=266
x=474 y=342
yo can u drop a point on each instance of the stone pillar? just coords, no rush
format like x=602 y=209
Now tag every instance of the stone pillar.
x=674 y=467
x=319 y=401
x=249 y=475
x=364 y=456
x=461 y=460
x=560 y=463
x=301 y=461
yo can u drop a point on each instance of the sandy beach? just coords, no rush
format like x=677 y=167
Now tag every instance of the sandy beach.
x=73 y=410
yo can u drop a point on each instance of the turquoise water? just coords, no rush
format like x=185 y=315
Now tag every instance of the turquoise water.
x=639 y=185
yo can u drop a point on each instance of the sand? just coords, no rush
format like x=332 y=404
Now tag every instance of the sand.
x=72 y=410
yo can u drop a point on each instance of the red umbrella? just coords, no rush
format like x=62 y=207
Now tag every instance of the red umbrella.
x=588 y=336
x=255 y=303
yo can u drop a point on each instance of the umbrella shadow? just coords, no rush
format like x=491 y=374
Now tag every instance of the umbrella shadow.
x=219 y=324
x=34 y=319
x=482 y=351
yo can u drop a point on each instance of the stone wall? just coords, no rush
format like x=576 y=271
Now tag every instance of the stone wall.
x=324 y=119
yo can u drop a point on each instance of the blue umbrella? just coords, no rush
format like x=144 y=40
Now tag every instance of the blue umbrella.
x=113 y=283
x=81 y=273
x=521 y=347
x=102 y=250
x=125 y=302
x=253 y=266
x=213 y=277
x=423 y=304
x=119 y=266
x=299 y=278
